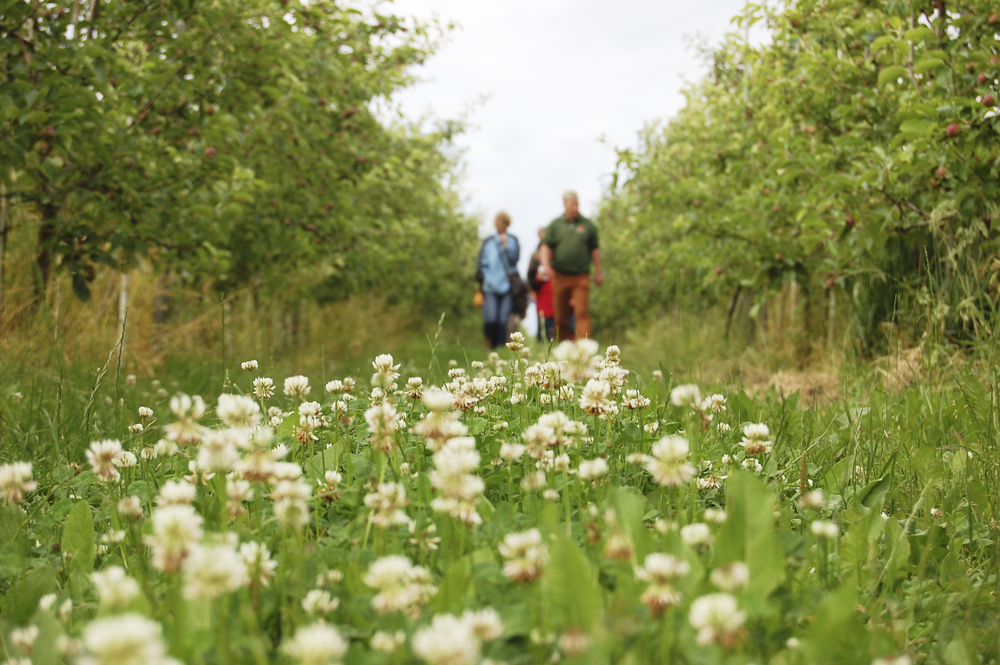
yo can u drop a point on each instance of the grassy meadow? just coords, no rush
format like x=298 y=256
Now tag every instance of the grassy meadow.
x=442 y=505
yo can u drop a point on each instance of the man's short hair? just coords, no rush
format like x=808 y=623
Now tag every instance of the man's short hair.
x=570 y=195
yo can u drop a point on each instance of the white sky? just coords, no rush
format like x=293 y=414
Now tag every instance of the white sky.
x=564 y=83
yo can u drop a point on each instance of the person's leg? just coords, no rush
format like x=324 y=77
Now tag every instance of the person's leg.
x=550 y=328
x=581 y=305
x=503 y=319
x=491 y=310
x=562 y=290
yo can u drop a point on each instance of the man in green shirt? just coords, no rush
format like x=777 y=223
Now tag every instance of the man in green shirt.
x=568 y=248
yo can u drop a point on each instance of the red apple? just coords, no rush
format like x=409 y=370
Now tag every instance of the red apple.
x=321 y=102
x=989 y=100
x=994 y=18
x=155 y=131
x=953 y=129
x=193 y=131
x=981 y=79
x=718 y=270
x=942 y=172
x=849 y=221
x=44 y=147
x=776 y=207
x=778 y=257
x=49 y=132
x=210 y=152
x=209 y=109
x=830 y=283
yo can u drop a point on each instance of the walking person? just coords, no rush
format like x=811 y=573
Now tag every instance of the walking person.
x=498 y=258
x=568 y=249
x=541 y=291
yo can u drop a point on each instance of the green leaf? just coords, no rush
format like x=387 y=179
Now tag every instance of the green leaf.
x=22 y=599
x=455 y=586
x=569 y=588
x=836 y=635
x=748 y=534
x=78 y=539
x=890 y=75
x=927 y=65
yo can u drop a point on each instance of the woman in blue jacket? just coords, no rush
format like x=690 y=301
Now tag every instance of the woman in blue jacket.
x=497 y=260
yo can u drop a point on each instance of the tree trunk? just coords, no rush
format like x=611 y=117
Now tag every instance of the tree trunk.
x=43 y=257
x=161 y=298
x=3 y=243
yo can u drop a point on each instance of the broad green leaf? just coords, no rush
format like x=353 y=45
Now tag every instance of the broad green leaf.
x=890 y=75
x=927 y=65
x=836 y=635
x=748 y=534
x=21 y=601
x=569 y=588
x=78 y=539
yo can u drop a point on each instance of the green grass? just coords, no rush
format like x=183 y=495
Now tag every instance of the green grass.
x=910 y=478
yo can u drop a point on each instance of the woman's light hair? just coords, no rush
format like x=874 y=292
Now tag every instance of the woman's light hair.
x=503 y=218
x=570 y=195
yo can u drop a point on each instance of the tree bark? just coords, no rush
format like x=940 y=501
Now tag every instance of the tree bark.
x=3 y=243
x=43 y=257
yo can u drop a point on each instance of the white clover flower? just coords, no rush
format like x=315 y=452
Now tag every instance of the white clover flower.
x=130 y=507
x=731 y=577
x=824 y=529
x=453 y=477
x=723 y=428
x=24 y=638
x=263 y=388
x=813 y=500
x=101 y=455
x=383 y=421
x=575 y=359
x=447 y=641
x=593 y=470
x=717 y=619
x=297 y=386
x=145 y=412
x=186 y=431
x=15 y=481
x=534 y=481
x=173 y=492
x=668 y=463
x=218 y=451
x=485 y=623
x=901 y=659
x=165 y=448
x=257 y=560
x=594 y=399
x=574 y=642
x=512 y=452
x=414 y=387
x=401 y=585
x=715 y=516
x=635 y=400
x=319 y=602
x=310 y=409
x=385 y=372
x=176 y=528
x=316 y=644
x=525 y=555
x=438 y=400
x=651 y=428
x=756 y=439
x=550 y=495
x=697 y=535
x=516 y=342
x=114 y=587
x=387 y=642
x=125 y=460
x=238 y=411
x=387 y=503
x=249 y=365
x=212 y=570
x=126 y=639
x=290 y=502
x=685 y=395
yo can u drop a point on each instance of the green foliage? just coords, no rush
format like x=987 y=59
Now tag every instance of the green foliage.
x=824 y=155
x=232 y=142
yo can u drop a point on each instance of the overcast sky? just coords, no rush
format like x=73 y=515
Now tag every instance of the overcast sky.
x=551 y=87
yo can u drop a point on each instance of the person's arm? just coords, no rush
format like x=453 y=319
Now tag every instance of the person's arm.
x=595 y=256
x=513 y=251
